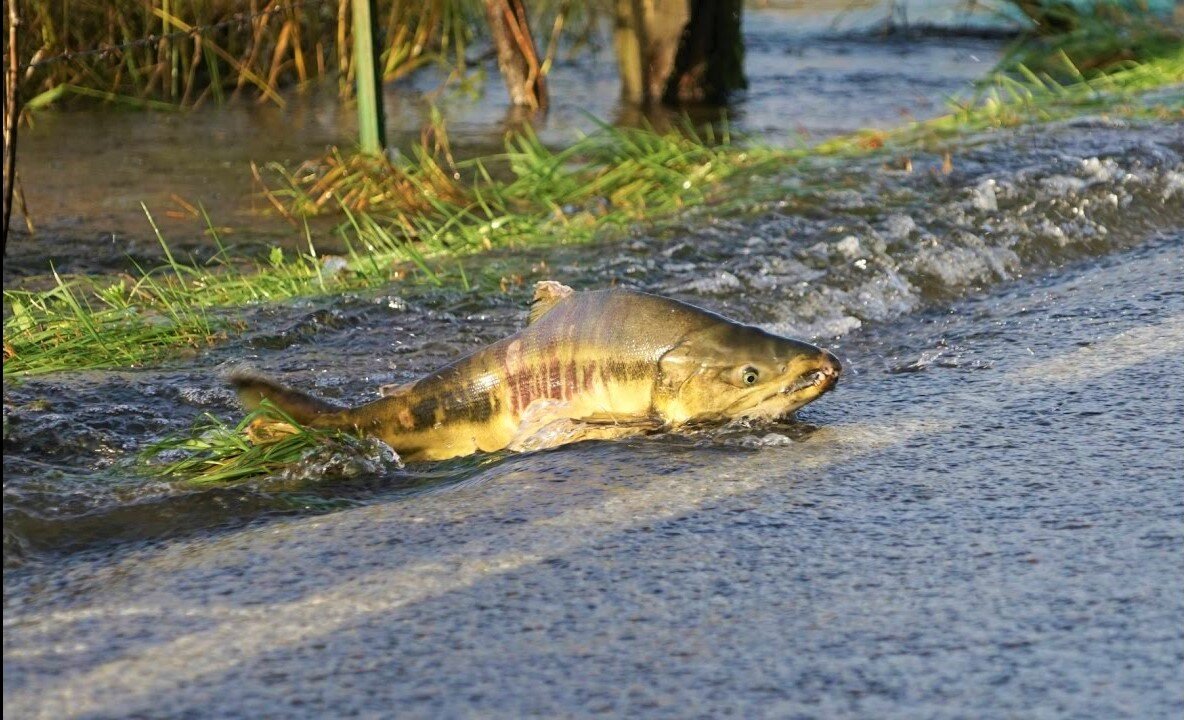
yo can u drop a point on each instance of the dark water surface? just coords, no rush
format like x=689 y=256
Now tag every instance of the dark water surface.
x=985 y=519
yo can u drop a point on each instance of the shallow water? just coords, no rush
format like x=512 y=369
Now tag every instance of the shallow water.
x=864 y=245
x=985 y=518
x=995 y=532
x=86 y=172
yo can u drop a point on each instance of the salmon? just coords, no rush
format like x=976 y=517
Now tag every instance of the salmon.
x=588 y=365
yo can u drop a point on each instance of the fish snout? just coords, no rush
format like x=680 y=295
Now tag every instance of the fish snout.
x=820 y=374
x=830 y=368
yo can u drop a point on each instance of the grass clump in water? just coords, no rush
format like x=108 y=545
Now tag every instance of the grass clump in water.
x=637 y=171
x=92 y=323
x=266 y=442
x=71 y=328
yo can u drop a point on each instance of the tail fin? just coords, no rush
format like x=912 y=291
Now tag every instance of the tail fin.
x=304 y=408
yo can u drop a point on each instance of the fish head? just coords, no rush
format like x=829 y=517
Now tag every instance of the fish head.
x=729 y=371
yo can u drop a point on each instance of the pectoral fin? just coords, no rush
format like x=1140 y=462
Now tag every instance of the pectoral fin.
x=644 y=422
x=545 y=425
x=562 y=432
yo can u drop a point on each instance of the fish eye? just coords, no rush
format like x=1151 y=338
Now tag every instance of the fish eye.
x=750 y=376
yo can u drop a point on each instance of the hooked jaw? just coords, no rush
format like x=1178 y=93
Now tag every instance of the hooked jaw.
x=823 y=377
x=831 y=368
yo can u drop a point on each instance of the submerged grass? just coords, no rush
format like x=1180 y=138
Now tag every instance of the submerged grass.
x=70 y=327
x=403 y=218
x=264 y=442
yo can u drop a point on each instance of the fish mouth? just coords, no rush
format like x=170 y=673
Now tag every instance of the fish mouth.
x=805 y=382
x=786 y=401
x=820 y=379
x=824 y=378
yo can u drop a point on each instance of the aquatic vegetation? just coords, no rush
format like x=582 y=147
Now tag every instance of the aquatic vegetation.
x=632 y=171
x=1005 y=100
x=103 y=327
x=266 y=441
x=188 y=53
x=528 y=195
x=86 y=323
x=1091 y=38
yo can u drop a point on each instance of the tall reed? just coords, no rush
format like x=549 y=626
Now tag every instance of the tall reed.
x=189 y=52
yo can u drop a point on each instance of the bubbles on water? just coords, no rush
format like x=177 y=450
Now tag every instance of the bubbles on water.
x=333 y=462
x=899 y=227
x=1101 y=170
x=771 y=439
x=927 y=358
x=961 y=260
x=982 y=196
x=206 y=396
x=848 y=247
x=1173 y=185
x=718 y=283
x=1045 y=196
x=945 y=355
x=1062 y=185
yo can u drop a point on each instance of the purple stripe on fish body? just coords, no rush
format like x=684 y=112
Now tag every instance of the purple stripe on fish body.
x=554 y=380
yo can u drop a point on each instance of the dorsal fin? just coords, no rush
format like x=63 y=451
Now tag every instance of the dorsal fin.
x=547 y=294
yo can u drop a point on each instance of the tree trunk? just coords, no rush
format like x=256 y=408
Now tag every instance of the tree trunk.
x=679 y=51
x=516 y=55
x=710 y=61
x=10 y=116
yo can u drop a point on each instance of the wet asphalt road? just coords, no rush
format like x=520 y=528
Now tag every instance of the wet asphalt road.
x=995 y=533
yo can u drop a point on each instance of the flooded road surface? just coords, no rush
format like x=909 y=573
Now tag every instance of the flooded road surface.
x=86 y=172
x=985 y=518
x=996 y=533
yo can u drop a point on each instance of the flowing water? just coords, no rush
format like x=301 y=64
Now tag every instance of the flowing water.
x=986 y=518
